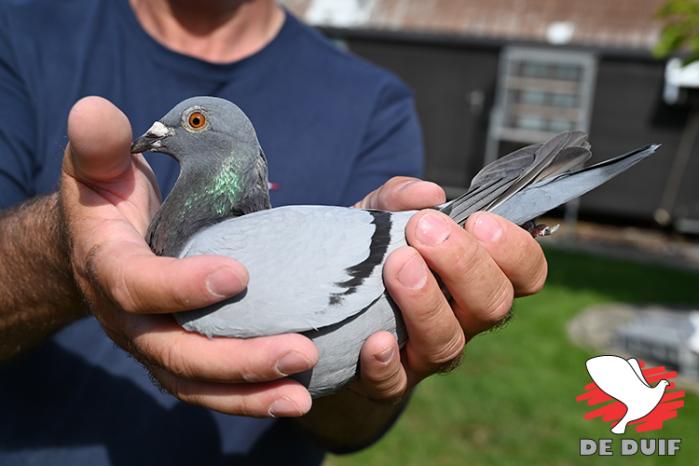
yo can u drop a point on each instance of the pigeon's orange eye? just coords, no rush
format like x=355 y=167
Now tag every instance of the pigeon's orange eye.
x=196 y=120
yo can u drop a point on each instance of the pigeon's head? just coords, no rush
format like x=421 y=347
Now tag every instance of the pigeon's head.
x=200 y=129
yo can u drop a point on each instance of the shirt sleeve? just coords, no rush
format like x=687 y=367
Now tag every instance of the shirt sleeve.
x=392 y=143
x=18 y=128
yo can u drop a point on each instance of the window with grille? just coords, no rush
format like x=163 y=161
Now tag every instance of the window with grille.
x=542 y=92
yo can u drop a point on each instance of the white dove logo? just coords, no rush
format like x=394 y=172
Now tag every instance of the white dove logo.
x=623 y=380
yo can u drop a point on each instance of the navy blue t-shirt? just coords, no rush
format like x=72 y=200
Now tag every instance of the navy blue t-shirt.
x=333 y=128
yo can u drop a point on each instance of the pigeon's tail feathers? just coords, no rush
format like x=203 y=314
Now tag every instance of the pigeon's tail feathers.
x=548 y=194
x=500 y=180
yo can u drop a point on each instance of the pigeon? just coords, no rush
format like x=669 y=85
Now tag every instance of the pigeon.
x=317 y=270
x=623 y=380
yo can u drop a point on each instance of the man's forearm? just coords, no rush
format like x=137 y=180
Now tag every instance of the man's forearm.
x=37 y=292
x=347 y=422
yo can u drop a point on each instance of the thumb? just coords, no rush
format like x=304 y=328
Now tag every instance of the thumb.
x=99 y=136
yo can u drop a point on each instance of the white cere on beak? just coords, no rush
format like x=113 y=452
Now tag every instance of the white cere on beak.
x=158 y=130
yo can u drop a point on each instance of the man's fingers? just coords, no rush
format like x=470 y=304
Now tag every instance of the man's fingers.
x=100 y=136
x=159 y=341
x=435 y=336
x=101 y=179
x=513 y=249
x=403 y=193
x=283 y=398
x=140 y=282
x=381 y=368
x=482 y=293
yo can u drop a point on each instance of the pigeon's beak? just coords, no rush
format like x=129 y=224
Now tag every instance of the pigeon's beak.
x=151 y=139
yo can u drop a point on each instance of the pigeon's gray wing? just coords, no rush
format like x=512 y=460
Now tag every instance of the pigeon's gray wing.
x=500 y=180
x=568 y=160
x=491 y=182
x=309 y=267
x=545 y=157
x=550 y=193
x=510 y=166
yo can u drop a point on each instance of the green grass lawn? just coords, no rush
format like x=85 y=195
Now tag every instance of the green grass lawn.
x=512 y=401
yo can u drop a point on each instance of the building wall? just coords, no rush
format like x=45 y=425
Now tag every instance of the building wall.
x=628 y=112
x=454 y=85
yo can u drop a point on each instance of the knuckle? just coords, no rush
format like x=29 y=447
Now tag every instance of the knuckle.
x=448 y=352
x=178 y=298
x=176 y=387
x=450 y=365
x=369 y=201
x=156 y=379
x=390 y=386
x=466 y=258
x=251 y=372
x=90 y=270
x=176 y=362
x=430 y=312
x=500 y=304
x=115 y=331
x=244 y=405
x=88 y=267
x=381 y=376
x=393 y=390
x=182 y=390
x=103 y=286
x=538 y=279
x=146 y=353
x=167 y=382
x=386 y=196
x=119 y=290
x=397 y=181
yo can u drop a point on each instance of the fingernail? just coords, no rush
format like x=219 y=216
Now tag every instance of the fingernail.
x=413 y=274
x=224 y=283
x=486 y=228
x=385 y=355
x=284 y=407
x=432 y=229
x=293 y=362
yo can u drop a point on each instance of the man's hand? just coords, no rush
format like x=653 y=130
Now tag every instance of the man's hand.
x=483 y=266
x=108 y=198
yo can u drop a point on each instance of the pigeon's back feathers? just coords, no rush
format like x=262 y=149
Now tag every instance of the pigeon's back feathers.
x=309 y=267
x=378 y=247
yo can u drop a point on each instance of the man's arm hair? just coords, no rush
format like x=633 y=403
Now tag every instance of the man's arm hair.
x=38 y=295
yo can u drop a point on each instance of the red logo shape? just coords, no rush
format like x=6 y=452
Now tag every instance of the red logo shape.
x=671 y=401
